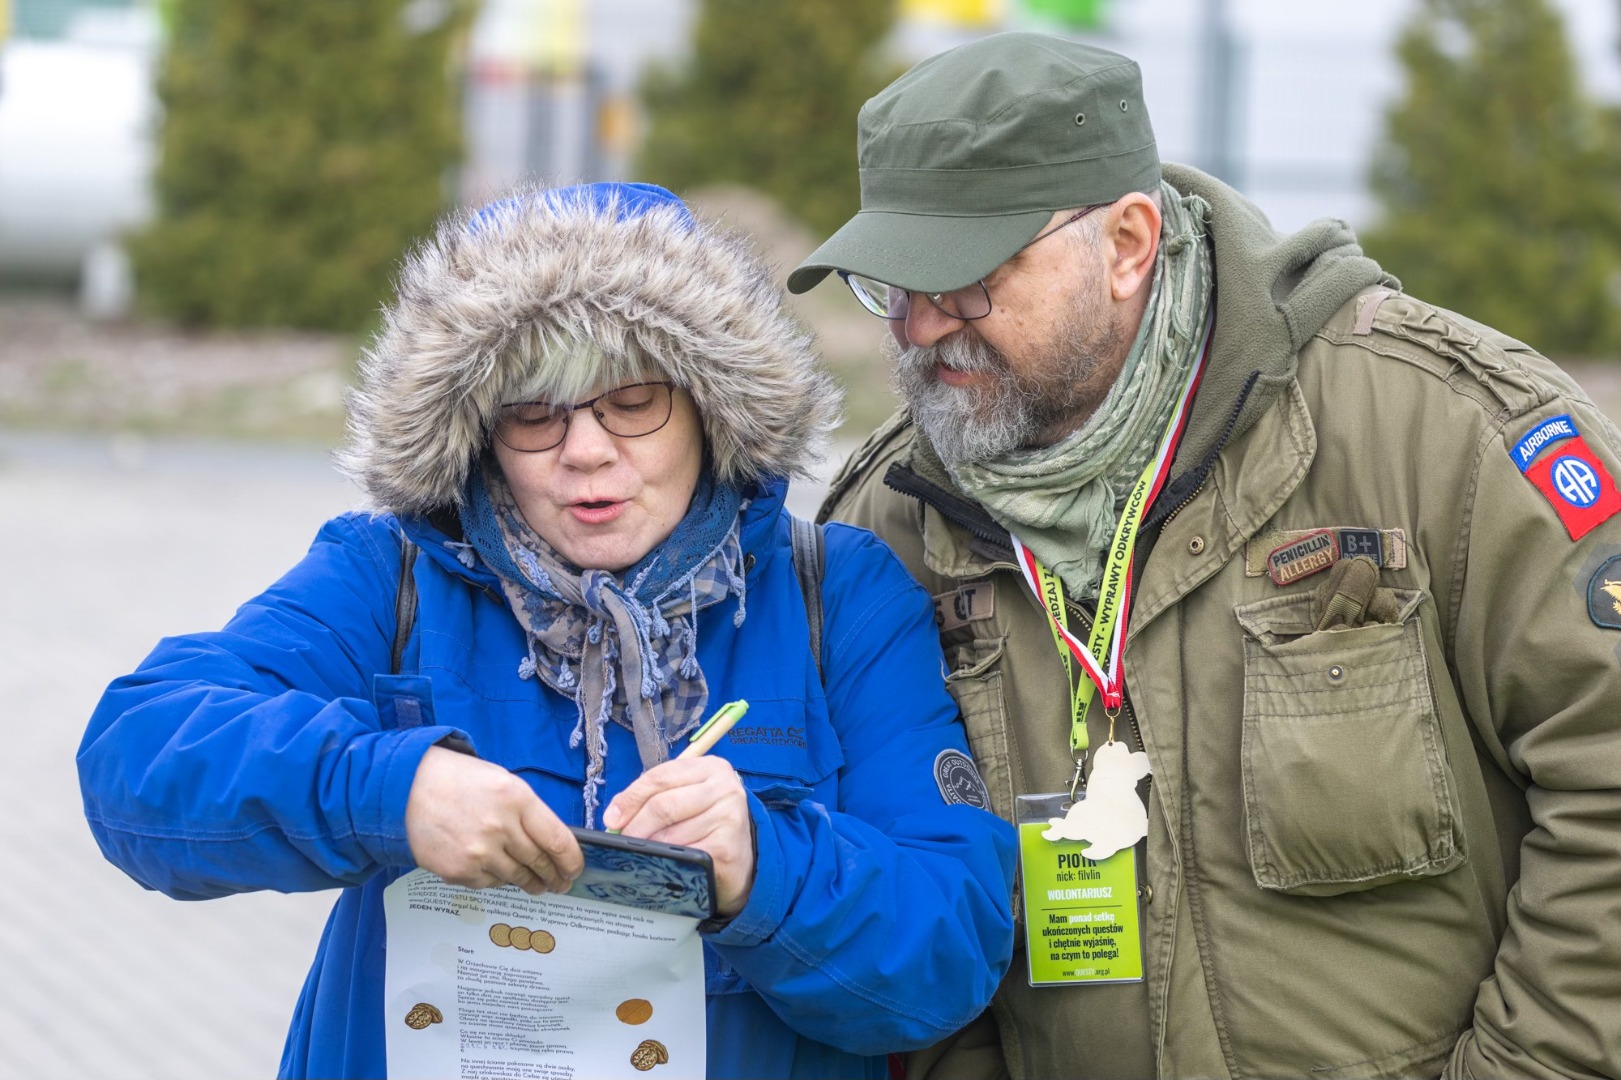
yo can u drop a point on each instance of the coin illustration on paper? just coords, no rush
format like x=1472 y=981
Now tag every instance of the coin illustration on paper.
x=634 y=1011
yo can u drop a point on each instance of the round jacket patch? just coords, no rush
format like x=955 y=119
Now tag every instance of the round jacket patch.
x=959 y=780
x=1604 y=594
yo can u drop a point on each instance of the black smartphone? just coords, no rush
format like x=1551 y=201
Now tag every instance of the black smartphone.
x=646 y=874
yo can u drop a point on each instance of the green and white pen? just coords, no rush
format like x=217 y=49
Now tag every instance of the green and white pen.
x=709 y=733
x=713 y=728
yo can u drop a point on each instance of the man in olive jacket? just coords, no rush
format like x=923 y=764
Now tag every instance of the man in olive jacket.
x=1374 y=595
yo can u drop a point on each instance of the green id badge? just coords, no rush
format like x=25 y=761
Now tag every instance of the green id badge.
x=1081 y=920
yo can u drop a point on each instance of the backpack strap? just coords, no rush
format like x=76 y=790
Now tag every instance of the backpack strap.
x=809 y=557
x=405 y=603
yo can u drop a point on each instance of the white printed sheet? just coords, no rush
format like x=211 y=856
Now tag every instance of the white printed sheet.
x=496 y=984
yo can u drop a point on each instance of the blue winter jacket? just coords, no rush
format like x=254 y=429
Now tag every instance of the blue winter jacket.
x=278 y=753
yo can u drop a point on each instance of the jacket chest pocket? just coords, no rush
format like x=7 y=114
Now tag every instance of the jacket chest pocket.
x=1346 y=785
x=975 y=682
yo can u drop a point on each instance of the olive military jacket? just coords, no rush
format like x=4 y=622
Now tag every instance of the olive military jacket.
x=1385 y=849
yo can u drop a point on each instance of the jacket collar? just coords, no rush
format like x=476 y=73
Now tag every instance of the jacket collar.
x=1273 y=292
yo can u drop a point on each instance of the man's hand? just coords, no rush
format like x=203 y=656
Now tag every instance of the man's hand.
x=698 y=802
x=475 y=824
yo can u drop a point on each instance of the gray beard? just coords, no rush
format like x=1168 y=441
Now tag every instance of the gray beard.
x=970 y=426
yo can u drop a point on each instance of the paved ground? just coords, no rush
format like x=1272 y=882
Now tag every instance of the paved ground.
x=107 y=547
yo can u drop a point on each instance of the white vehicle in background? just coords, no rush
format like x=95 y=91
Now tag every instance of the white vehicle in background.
x=77 y=119
x=548 y=93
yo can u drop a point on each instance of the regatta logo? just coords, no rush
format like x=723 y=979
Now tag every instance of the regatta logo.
x=1545 y=433
x=768 y=735
x=1303 y=558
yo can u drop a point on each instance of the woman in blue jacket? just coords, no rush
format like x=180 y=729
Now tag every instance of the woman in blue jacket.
x=575 y=425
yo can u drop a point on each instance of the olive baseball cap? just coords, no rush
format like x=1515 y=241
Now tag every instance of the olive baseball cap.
x=966 y=156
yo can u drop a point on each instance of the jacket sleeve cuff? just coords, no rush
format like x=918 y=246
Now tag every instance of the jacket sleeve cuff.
x=763 y=911
x=380 y=817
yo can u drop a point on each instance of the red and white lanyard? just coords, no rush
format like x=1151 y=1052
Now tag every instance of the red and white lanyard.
x=1100 y=657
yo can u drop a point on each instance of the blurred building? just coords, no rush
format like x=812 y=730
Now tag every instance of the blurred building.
x=551 y=86
x=1285 y=99
x=1282 y=98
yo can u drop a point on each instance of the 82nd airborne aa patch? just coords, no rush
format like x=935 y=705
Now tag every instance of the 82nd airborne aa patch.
x=1554 y=457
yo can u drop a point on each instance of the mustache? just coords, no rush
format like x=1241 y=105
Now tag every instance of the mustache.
x=958 y=352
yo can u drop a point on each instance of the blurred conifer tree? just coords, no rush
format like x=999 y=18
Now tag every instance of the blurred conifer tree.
x=303 y=146
x=769 y=99
x=1498 y=179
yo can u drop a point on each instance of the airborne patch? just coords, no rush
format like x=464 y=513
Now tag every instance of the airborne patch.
x=1544 y=434
x=1604 y=594
x=1386 y=547
x=970 y=603
x=959 y=780
x=1572 y=478
x=1288 y=563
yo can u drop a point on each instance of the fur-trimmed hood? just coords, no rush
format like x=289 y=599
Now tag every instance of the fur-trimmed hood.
x=616 y=275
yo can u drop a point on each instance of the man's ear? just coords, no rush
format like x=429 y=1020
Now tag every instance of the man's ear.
x=1131 y=232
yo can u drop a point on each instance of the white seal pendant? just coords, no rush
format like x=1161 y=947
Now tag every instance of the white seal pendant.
x=1111 y=817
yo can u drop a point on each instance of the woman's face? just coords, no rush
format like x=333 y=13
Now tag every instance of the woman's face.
x=603 y=501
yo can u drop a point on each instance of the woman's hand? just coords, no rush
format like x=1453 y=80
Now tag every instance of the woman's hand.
x=475 y=824
x=698 y=802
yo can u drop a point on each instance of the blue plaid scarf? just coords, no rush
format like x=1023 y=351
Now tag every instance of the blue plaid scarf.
x=594 y=635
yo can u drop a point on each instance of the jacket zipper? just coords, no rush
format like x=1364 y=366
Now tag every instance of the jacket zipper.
x=1194 y=494
x=1155 y=519
x=957 y=511
x=1137 y=733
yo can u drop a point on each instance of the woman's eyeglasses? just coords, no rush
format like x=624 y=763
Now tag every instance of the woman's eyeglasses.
x=628 y=412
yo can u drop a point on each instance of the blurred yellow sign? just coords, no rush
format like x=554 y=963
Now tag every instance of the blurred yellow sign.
x=955 y=12
x=5 y=19
x=559 y=36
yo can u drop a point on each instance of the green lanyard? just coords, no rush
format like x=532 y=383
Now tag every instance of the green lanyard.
x=1083 y=691
x=1108 y=628
x=1101 y=655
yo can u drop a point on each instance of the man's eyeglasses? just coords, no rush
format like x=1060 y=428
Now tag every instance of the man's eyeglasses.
x=967 y=303
x=626 y=411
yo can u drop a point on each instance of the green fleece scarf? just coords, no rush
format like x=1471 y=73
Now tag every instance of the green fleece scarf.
x=1064 y=500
